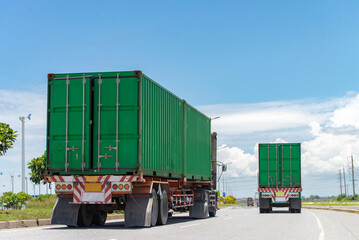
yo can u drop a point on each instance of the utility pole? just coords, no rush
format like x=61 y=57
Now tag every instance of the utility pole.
x=353 y=177
x=345 y=184
x=340 y=181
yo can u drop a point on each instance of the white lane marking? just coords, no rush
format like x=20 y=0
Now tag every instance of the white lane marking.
x=227 y=218
x=190 y=225
x=320 y=226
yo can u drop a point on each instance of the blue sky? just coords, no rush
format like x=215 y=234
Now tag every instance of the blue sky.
x=243 y=60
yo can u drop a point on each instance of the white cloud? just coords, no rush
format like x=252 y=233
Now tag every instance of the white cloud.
x=240 y=163
x=347 y=115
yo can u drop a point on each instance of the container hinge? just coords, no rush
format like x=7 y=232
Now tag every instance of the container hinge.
x=104 y=156
x=110 y=148
x=72 y=148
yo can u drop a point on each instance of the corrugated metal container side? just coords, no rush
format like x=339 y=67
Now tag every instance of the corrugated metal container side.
x=123 y=123
x=279 y=165
x=162 y=131
x=198 y=144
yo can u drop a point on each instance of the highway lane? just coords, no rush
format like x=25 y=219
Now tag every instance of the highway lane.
x=230 y=223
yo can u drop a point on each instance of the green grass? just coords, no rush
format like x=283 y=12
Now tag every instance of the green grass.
x=223 y=205
x=331 y=203
x=34 y=210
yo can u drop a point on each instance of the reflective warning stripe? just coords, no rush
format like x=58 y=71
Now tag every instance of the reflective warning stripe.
x=271 y=192
x=103 y=178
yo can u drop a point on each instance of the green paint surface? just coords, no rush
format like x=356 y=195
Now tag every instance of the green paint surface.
x=158 y=134
x=279 y=165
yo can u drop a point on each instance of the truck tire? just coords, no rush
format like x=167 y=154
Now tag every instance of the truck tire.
x=212 y=212
x=261 y=210
x=163 y=208
x=299 y=210
x=85 y=216
x=154 y=211
x=99 y=218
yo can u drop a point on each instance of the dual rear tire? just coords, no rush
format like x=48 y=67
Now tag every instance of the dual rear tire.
x=86 y=217
x=159 y=213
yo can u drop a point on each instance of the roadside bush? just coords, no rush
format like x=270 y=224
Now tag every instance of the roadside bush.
x=43 y=197
x=341 y=197
x=15 y=201
x=230 y=199
x=344 y=198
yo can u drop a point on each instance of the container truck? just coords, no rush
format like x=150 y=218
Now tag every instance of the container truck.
x=279 y=176
x=120 y=141
x=250 y=201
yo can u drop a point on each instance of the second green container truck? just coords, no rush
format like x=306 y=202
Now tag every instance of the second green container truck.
x=279 y=176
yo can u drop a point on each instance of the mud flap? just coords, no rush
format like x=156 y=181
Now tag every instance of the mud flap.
x=200 y=208
x=65 y=213
x=138 y=211
x=295 y=203
x=264 y=203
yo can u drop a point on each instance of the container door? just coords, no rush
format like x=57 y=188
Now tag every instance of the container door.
x=268 y=165
x=69 y=123
x=116 y=135
x=291 y=165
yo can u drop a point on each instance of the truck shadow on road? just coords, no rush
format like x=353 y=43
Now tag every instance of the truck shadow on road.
x=278 y=212
x=120 y=224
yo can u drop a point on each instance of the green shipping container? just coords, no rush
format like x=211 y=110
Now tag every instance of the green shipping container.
x=123 y=123
x=279 y=165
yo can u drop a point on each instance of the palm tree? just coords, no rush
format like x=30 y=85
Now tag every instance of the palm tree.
x=7 y=138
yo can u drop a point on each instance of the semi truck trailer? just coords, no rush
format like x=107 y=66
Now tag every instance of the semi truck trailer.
x=279 y=176
x=121 y=141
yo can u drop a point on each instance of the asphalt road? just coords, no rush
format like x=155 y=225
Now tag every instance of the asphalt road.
x=230 y=223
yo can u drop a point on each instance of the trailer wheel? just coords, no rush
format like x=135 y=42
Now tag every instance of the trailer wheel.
x=212 y=213
x=154 y=212
x=261 y=210
x=163 y=208
x=99 y=218
x=85 y=216
x=299 y=210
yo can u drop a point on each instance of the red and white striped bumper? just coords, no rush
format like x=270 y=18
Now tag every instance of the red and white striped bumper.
x=280 y=195
x=93 y=189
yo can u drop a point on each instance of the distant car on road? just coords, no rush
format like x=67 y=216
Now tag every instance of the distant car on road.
x=250 y=202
